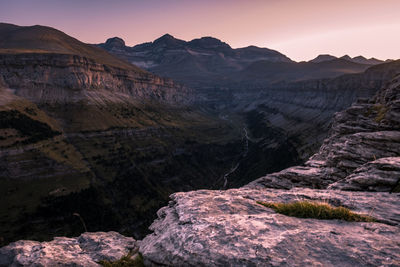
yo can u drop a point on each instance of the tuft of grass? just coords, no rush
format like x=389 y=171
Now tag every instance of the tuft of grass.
x=381 y=111
x=317 y=210
x=125 y=261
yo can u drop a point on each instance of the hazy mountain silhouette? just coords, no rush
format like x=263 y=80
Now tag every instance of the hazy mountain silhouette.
x=207 y=62
x=358 y=59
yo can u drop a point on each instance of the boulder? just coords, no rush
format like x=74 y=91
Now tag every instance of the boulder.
x=86 y=250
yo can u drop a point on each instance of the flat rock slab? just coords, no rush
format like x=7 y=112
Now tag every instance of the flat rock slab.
x=228 y=228
x=85 y=250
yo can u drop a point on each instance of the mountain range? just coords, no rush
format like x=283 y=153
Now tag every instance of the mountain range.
x=358 y=59
x=207 y=61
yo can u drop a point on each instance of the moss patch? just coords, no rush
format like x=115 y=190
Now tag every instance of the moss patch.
x=316 y=210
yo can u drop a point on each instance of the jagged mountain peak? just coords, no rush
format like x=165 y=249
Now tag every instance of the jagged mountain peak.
x=358 y=59
x=254 y=48
x=346 y=57
x=115 y=41
x=208 y=42
x=322 y=58
x=253 y=52
x=364 y=60
x=165 y=37
x=169 y=41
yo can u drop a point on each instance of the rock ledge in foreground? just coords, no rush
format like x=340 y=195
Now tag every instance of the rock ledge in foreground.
x=228 y=228
x=85 y=250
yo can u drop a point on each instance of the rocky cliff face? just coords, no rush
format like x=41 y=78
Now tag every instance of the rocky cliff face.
x=288 y=122
x=49 y=78
x=364 y=139
x=77 y=135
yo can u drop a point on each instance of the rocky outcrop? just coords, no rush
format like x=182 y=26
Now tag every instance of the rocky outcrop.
x=50 y=78
x=228 y=228
x=86 y=250
x=378 y=175
x=360 y=138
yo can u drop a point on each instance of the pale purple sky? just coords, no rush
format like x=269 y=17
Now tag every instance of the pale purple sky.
x=301 y=29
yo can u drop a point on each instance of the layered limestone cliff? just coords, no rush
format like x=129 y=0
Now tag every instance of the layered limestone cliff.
x=303 y=111
x=364 y=141
x=49 y=78
x=81 y=136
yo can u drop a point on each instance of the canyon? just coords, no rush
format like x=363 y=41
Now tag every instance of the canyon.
x=84 y=133
x=230 y=227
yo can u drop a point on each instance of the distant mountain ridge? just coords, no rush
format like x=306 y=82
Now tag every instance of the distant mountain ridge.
x=167 y=42
x=358 y=59
x=172 y=57
x=207 y=62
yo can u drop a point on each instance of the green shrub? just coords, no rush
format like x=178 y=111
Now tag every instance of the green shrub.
x=125 y=261
x=316 y=210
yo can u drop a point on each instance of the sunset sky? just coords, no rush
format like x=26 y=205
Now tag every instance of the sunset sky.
x=301 y=29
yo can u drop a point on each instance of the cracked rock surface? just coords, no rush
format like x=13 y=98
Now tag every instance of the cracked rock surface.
x=86 y=250
x=228 y=228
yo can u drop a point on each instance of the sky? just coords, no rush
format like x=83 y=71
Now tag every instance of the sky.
x=301 y=29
